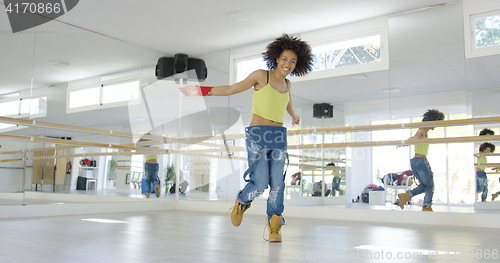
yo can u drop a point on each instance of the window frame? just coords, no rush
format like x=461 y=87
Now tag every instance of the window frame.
x=24 y=94
x=101 y=84
x=326 y=73
x=470 y=35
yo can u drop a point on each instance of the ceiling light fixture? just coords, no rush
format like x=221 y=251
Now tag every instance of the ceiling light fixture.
x=239 y=16
x=391 y=90
x=61 y=64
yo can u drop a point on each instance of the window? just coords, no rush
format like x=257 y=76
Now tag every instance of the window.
x=347 y=53
x=96 y=96
x=361 y=53
x=84 y=97
x=487 y=31
x=246 y=66
x=9 y=108
x=21 y=106
x=120 y=92
x=389 y=159
x=484 y=36
x=24 y=107
x=6 y=126
x=34 y=106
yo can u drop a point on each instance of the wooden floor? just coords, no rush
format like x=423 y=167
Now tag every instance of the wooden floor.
x=189 y=236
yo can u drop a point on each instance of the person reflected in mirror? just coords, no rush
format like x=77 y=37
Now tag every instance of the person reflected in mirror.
x=420 y=165
x=336 y=181
x=182 y=186
x=486 y=131
x=481 y=178
x=151 y=170
x=317 y=189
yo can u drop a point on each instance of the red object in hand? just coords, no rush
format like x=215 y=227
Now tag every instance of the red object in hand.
x=204 y=90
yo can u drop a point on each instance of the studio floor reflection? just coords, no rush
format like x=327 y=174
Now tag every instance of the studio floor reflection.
x=78 y=196
x=189 y=236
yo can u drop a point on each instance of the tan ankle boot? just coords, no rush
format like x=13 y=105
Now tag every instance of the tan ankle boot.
x=403 y=199
x=428 y=209
x=157 y=190
x=237 y=213
x=274 y=228
x=493 y=196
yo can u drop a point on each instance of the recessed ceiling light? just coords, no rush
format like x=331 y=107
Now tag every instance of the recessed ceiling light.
x=391 y=90
x=239 y=16
x=61 y=64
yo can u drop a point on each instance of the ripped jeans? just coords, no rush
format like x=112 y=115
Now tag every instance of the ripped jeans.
x=266 y=149
x=423 y=173
x=482 y=184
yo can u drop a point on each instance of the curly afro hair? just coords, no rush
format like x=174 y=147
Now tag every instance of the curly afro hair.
x=302 y=49
x=486 y=131
x=487 y=145
x=433 y=115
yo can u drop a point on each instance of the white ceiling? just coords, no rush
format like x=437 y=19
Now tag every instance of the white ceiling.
x=103 y=37
x=138 y=33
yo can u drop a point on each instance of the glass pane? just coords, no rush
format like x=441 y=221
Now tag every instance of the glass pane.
x=9 y=108
x=244 y=68
x=390 y=159
x=5 y=126
x=120 y=92
x=34 y=106
x=487 y=31
x=347 y=53
x=84 y=97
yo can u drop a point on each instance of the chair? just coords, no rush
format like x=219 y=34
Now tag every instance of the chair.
x=389 y=183
x=136 y=180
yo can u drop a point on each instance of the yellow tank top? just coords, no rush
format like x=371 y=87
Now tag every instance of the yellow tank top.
x=269 y=103
x=151 y=157
x=481 y=160
x=422 y=149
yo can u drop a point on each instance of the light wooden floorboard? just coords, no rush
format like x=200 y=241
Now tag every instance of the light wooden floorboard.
x=189 y=236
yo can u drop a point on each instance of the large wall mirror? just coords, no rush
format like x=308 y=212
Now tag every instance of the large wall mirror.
x=427 y=68
x=57 y=88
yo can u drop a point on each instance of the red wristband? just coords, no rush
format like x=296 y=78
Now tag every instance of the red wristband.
x=204 y=90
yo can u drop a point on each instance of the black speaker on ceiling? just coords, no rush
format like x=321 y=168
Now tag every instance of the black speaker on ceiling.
x=322 y=110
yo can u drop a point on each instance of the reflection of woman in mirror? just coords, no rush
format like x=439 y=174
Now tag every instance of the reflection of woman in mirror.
x=481 y=178
x=151 y=171
x=486 y=131
x=420 y=166
x=266 y=137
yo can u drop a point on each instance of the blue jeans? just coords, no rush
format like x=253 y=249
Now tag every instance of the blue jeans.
x=482 y=184
x=151 y=170
x=266 y=149
x=423 y=173
x=335 y=185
